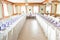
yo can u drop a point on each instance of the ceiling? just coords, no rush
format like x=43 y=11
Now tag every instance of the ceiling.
x=31 y=1
x=28 y=1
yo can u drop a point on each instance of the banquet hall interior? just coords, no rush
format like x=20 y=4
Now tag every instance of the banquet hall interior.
x=29 y=19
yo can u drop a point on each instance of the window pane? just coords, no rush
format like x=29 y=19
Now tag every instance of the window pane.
x=58 y=9
x=1 y=10
x=29 y=9
x=36 y=9
x=14 y=7
x=48 y=9
x=10 y=9
x=42 y=8
x=23 y=9
x=5 y=9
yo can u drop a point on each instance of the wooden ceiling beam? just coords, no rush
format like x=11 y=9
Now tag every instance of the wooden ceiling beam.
x=32 y=4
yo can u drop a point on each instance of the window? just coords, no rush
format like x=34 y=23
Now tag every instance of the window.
x=58 y=9
x=48 y=8
x=23 y=9
x=35 y=9
x=5 y=9
x=14 y=7
x=10 y=9
x=1 y=10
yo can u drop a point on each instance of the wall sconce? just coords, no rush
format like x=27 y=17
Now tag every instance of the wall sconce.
x=26 y=4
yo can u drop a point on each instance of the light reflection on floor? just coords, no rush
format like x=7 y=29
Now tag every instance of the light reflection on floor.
x=34 y=27
x=31 y=31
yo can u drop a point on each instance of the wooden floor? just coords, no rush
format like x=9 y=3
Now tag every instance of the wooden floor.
x=31 y=31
